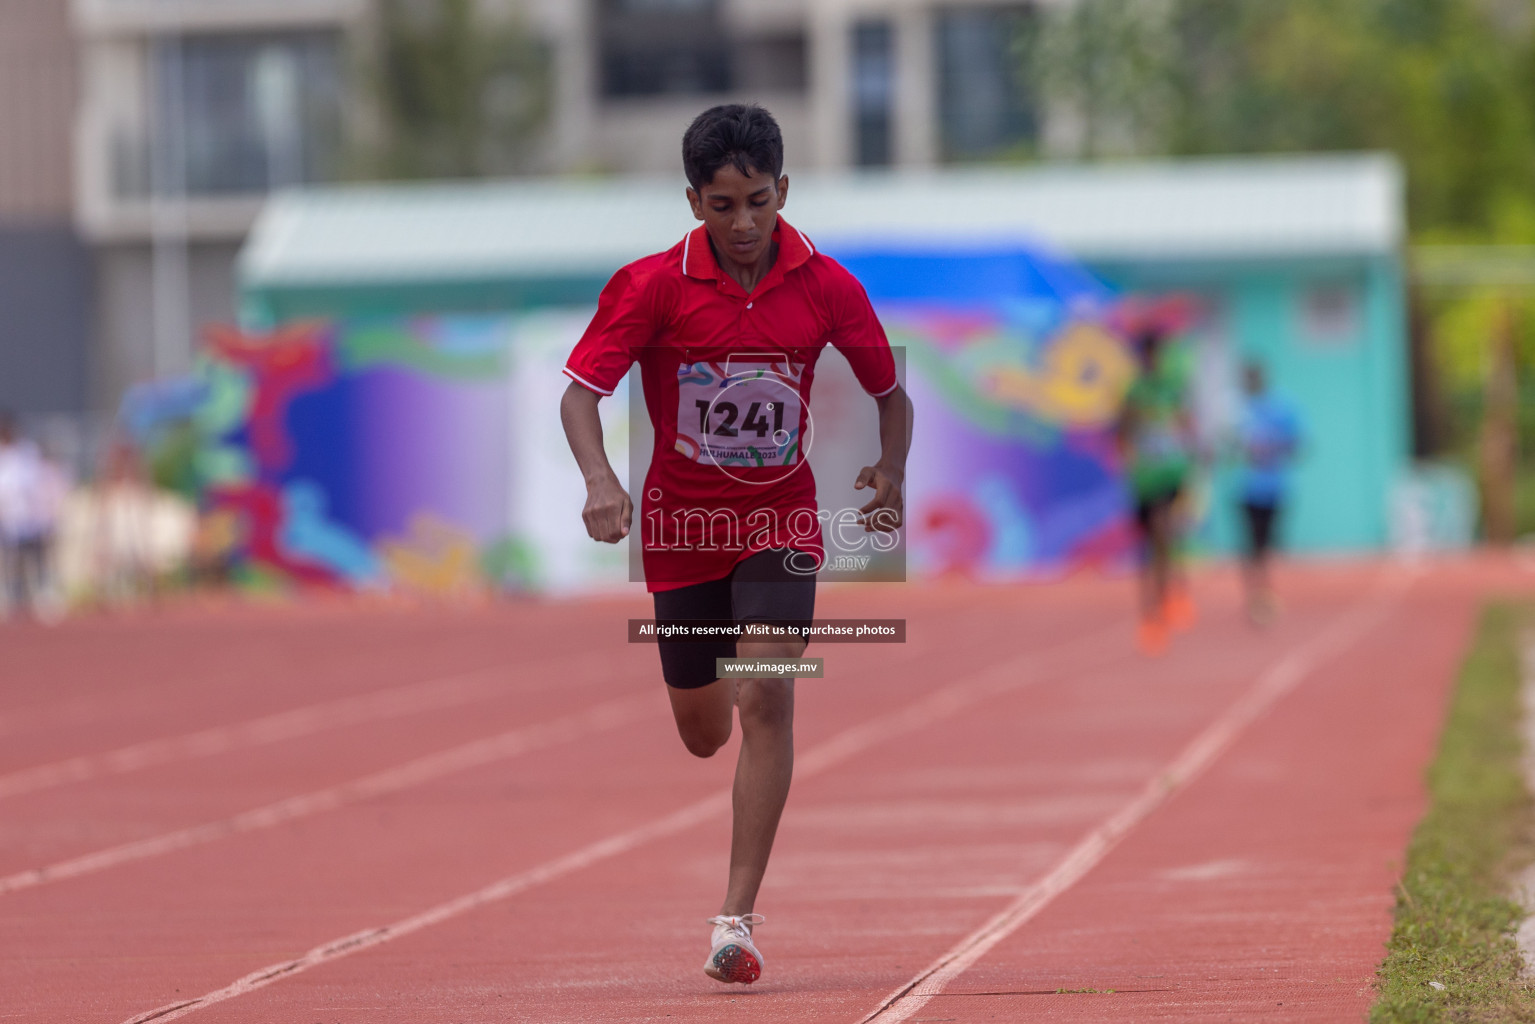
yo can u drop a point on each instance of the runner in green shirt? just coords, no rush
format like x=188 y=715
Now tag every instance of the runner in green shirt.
x=1156 y=436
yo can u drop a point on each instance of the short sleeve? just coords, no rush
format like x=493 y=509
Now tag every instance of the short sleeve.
x=625 y=322
x=858 y=335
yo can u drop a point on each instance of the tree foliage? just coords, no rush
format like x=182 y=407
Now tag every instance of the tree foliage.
x=457 y=94
x=1448 y=85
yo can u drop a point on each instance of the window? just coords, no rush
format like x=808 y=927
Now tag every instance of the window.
x=659 y=47
x=983 y=106
x=234 y=114
x=257 y=112
x=771 y=63
x=873 y=93
x=681 y=47
x=1329 y=312
x=662 y=7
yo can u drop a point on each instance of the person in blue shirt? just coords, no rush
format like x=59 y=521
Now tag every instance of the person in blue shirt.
x=1268 y=438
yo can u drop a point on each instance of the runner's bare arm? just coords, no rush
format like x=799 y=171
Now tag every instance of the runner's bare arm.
x=608 y=510
x=886 y=510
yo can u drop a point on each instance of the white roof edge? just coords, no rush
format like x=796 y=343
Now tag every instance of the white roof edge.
x=1205 y=208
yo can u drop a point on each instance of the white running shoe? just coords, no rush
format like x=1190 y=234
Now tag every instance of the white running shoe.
x=732 y=957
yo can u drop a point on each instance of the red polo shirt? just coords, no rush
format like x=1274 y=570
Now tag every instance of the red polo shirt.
x=727 y=378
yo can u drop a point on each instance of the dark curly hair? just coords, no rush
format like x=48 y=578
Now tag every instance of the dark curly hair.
x=741 y=134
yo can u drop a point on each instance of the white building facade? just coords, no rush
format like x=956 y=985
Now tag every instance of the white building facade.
x=853 y=82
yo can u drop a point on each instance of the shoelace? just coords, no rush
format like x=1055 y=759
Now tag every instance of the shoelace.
x=740 y=927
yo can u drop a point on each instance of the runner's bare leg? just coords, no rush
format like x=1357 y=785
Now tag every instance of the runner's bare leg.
x=1157 y=570
x=703 y=715
x=763 y=772
x=764 y=767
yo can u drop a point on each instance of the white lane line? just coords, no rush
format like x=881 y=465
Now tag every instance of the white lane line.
x=1276 y=681
x=475 y=754
x=945 y=702
x=395 y=702
x=304 y=721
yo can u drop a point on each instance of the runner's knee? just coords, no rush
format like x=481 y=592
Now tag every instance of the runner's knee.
x=703 y=717
x=704 y=739
x=769 y=648
x=766 y=704
x=701 y=745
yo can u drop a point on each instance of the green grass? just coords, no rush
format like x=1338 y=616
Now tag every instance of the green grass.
x=1524 y=503
x=1455 y=920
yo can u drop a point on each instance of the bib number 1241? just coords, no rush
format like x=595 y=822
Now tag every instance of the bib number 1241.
x=749 y=416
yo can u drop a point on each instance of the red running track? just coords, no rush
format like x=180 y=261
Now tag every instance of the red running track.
x=341 y=813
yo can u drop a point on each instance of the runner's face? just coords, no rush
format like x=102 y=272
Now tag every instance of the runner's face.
x=740 y=212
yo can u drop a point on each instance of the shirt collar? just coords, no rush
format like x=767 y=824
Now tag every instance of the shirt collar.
x=794 y=249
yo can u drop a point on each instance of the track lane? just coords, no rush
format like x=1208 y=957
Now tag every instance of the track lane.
x=835 y=946
x=257 y=883
x=941 y=705
x=808 y=965
x=479 y=753
x=1272 y=876
x=1272 y=685
x=87 y=823
x=95 y=685
x=484 y=684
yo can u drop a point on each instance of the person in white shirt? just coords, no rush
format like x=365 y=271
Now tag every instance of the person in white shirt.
x=29 y=508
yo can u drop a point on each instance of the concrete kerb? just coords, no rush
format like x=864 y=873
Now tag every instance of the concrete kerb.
x=1525 y=887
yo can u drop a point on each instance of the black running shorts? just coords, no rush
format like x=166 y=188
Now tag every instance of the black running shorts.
x=1261 y=523
x=761 y=588
x=1147 y=508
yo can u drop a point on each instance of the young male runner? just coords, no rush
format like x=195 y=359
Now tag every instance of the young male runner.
x=1156 y=434
x=1268 y=438
x=727 y=326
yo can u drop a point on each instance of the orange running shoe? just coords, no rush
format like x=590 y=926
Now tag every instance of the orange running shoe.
x=1180 y=611
x=1152 y=637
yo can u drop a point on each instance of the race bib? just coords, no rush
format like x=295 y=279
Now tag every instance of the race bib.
x=741 y=413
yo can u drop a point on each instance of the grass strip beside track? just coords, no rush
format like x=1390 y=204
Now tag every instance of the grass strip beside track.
x=1452 y=954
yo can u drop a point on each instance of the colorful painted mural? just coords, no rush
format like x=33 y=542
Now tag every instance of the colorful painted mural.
x=403 y=454
x=1017 y=370
x=359 y=455
x=1013 y=470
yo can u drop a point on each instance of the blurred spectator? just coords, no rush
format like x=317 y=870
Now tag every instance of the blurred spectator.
x=31 y=496
x=1269 y=434
x=122 y=537
x=53 y=489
